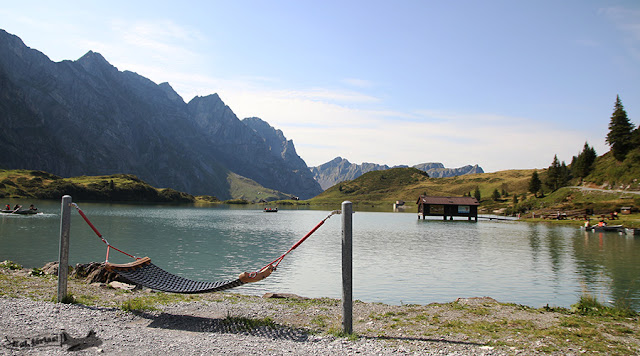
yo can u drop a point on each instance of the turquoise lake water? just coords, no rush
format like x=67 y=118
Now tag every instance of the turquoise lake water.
x=396 y=257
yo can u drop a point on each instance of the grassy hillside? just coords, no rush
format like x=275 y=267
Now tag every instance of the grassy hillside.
x=385 y=187
x=610 y=173
x=247 y=189
x=117 y=187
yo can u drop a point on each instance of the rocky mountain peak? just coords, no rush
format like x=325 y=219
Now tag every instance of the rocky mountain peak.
x=339 y=169
x=94 y=62
x=171 y=94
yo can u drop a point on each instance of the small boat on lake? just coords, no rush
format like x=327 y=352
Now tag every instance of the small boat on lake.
x=20 y=212
x=270 y=210
x=609 y=228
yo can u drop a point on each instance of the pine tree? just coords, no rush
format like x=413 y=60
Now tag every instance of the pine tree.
x=554 y=174
x=535 y=184
x=582 y=165
x=476 y=194
x=620 y=137
x=496 y=195
x=565 y=175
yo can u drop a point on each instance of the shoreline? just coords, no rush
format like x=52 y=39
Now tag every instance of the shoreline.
x=144 y=321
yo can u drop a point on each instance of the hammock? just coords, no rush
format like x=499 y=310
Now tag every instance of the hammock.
x=143 y=272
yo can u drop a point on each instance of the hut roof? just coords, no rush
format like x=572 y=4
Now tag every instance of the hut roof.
x=447 y=200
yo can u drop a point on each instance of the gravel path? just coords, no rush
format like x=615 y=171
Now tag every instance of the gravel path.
x=194 y=328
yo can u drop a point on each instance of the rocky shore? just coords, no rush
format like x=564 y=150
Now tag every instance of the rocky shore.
x=116 y=321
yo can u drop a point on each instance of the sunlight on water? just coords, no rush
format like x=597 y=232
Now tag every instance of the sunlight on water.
x=397 y=258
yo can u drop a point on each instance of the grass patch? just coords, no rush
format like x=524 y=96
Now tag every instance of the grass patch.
x=151 y=301
x=589 y=305
x=67 y=299
x=340 y=333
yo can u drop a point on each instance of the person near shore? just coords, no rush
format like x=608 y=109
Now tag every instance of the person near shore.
x=587 y=223
x=602 y=223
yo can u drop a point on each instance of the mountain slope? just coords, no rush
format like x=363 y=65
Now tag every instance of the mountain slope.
x=340 y=170
x=612 y=174
x=86 y=117
x=387 y=186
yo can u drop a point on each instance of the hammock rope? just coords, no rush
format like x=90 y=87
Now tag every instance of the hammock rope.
x=143 y=272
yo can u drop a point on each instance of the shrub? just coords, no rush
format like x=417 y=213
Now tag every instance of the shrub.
x=10 y=265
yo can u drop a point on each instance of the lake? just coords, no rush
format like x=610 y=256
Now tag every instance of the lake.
x=397 y=259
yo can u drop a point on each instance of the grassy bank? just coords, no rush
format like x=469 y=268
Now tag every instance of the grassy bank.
x=25 y=184
x=587 y=327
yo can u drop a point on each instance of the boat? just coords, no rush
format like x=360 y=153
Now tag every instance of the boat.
x=632 y=232
x=270 y=210
x=609 y=228
x=20 y=212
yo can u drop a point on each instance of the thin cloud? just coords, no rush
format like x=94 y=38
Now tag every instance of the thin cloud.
x=323 y=130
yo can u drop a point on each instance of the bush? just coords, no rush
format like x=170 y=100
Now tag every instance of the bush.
x=10 y=265
x=589 y=305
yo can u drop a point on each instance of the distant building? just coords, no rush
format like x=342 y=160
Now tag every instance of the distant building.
x=448 y=207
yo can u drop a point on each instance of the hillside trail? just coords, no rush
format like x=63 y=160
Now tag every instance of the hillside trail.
x=606 y=190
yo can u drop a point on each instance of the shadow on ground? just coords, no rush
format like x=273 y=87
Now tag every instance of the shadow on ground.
x=224 y=325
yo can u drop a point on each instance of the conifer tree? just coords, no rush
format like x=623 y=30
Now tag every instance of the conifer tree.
x=565 y=175
x=535 y=184
x=554 y=175
x=620 y=137
x=582 y=164
x=476 y=194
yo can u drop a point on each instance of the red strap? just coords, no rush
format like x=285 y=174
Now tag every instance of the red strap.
x=277 y=261
x=89 y=222
x=86 y=219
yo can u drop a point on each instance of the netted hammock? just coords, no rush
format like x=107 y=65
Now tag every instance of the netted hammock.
x=143 y=272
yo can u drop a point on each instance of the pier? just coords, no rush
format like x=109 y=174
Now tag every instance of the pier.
x=448 y=207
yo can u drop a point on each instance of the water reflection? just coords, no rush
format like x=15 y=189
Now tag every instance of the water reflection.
x=608 y=265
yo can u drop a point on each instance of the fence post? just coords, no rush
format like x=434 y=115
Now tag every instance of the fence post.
x=347 y=267
x=63 y=260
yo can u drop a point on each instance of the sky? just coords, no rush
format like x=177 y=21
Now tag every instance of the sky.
x=502 y=84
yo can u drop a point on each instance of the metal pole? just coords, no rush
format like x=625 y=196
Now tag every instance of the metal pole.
x=347 y=268
x=63 y=260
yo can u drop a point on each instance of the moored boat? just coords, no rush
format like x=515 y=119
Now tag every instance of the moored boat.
x=270 y=210
x=632 y=232
x=610 y=228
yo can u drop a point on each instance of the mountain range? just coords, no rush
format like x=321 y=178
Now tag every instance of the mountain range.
x=340 y=170
x=86 y=117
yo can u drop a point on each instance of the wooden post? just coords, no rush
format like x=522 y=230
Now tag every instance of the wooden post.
x=347 y=268
x=63 y=260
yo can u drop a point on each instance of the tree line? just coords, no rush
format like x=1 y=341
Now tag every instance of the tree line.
x=622 y=138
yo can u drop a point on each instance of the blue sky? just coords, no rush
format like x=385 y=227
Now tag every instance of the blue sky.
x=504 y=84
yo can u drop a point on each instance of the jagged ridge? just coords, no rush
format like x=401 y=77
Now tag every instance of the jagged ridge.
x=86 y=117
x=340 y=170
